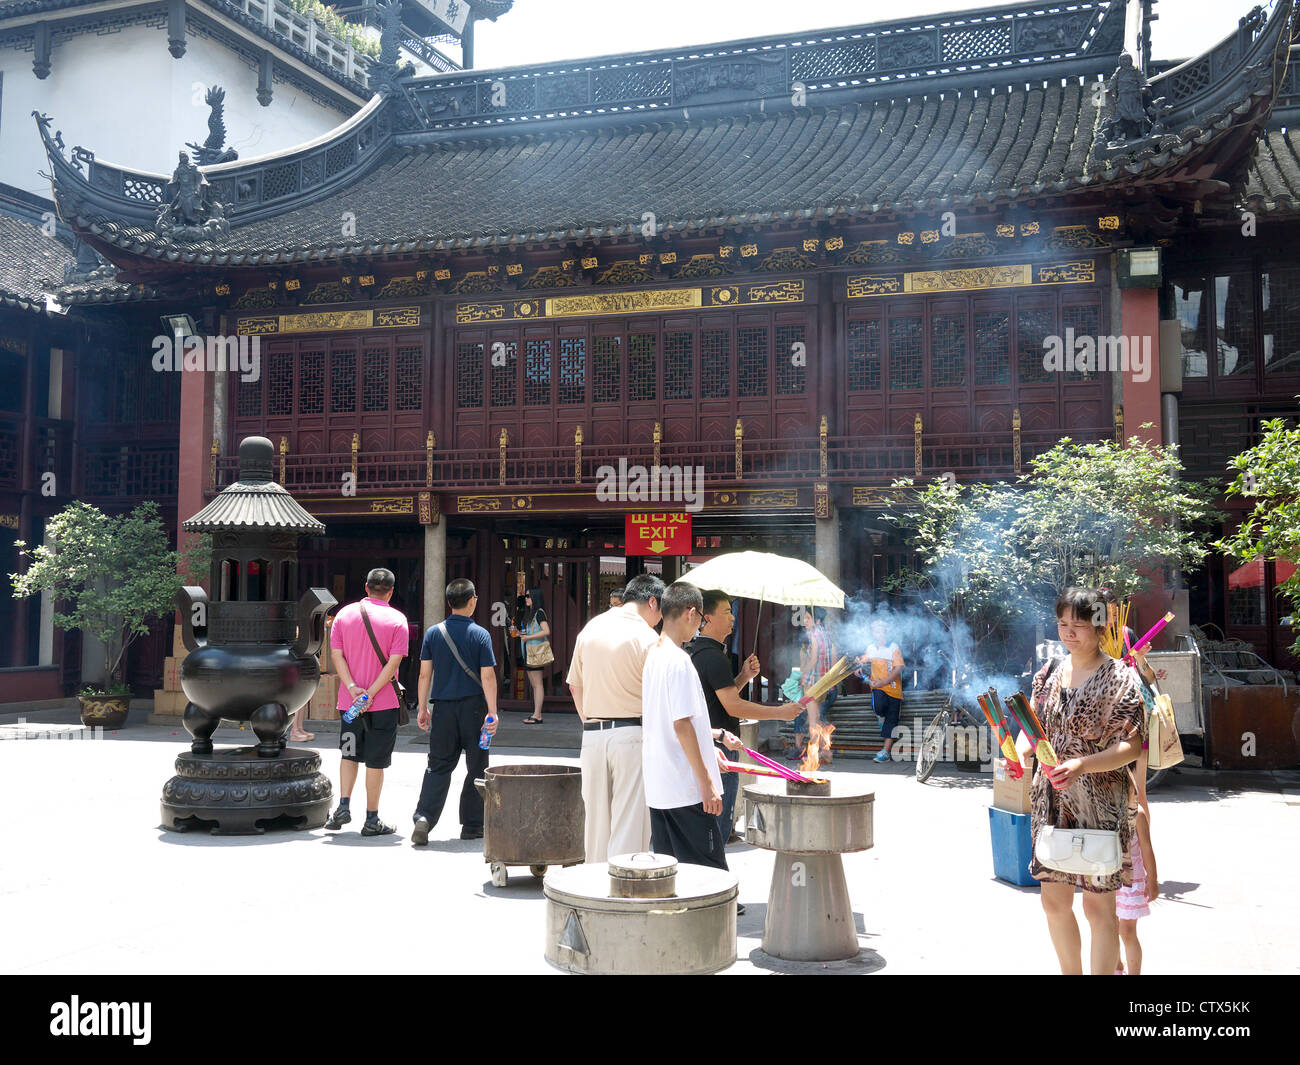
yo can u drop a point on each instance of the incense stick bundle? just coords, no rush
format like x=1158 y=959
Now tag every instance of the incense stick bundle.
x=988 y=703
x=763 y=760
x=1112 y=637
x=1024 y=715
x=740 y=767
x=1152 y=633
x=832 y=677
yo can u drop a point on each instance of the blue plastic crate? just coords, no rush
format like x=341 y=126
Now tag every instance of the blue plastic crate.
x=1012 y=846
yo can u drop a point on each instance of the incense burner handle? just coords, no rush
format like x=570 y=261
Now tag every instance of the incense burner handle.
x=312 y=608
x=192 y=602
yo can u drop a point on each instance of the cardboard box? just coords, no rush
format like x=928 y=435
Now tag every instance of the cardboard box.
x=172 y=674
x=1011 y=795
x=324 y=701
x=326 y=666
x=165 y=702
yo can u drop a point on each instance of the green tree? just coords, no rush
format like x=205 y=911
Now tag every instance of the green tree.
x=110 y=576
x=1269 y=473
x=996 y=556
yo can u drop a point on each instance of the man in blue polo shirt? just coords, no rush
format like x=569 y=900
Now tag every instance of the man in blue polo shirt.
x=458 y=668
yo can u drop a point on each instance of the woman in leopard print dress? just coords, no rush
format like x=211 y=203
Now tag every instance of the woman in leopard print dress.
x=1092 y=713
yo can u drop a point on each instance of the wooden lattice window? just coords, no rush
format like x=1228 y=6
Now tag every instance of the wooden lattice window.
x=1234 y=323
x=374 y=380
x=752 y=360
x=1085 y=322
x=279 y=384
x=992 y=348
x=469 y=376
x=905 y=353
x=573 y=369
x=250 y=399
x=715 y=364
x=311 y=382
x=1280 y=301
x=641 y=366
x=948 y=351
x=791 y=360
x=410 y=377
x=864 y=355
x=343 y=381
x=505 y=372
x=1190 y=306
x=537 y=372
x=1033 y=326
x=127 y=396
x=607 y=369
x=679 y=365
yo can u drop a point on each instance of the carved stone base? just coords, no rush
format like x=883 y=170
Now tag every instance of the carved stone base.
x=233 y=791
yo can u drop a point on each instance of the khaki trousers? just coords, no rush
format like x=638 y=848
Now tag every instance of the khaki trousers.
x=618 y=820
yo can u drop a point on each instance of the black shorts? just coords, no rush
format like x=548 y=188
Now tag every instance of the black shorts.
x=370 y=737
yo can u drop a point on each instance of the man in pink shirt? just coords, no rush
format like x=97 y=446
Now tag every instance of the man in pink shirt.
x=371 y=736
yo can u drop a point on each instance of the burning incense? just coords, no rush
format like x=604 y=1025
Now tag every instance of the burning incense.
x=832 y=677
x=781 y=770
x=1152 y=633
x=1024 y=715
x=819 y=739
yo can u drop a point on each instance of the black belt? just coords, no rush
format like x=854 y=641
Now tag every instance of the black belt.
x=609 y=722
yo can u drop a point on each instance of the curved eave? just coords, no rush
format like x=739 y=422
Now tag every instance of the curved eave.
x=1179 y=159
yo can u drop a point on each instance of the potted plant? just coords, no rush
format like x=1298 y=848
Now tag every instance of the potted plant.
x=110 y=576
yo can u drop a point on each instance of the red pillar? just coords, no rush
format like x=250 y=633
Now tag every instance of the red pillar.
x=1140 y=323
x=195 y=446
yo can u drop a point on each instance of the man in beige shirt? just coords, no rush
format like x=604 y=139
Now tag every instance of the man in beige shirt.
x=605 y=679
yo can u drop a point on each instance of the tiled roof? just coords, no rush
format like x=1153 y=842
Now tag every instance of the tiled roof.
x=848 y=161
x=1274 y=182
x=31 y=264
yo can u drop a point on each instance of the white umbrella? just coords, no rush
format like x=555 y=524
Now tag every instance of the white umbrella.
x=768 y=578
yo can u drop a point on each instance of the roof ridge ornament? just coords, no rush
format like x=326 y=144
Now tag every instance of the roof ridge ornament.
x=189 y=211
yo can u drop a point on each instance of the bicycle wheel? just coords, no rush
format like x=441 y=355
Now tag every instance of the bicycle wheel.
x=931 y=745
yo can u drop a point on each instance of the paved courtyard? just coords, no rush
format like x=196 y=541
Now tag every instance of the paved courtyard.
x=91 y=884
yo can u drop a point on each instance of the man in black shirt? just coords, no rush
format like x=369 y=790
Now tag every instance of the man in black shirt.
x=722 y=690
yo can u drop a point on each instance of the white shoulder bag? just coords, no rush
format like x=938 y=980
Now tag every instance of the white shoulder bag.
x=1085 y=851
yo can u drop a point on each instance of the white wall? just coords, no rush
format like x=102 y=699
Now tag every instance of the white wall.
x=126 y=99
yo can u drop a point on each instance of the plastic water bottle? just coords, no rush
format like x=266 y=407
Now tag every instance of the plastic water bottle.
x=485 y=737
x=358 y=704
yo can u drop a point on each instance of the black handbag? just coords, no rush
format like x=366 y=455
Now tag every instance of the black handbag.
x=403 y=707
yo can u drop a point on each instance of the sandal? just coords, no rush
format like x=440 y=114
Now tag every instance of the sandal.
x=532 y=721
x=303 y=738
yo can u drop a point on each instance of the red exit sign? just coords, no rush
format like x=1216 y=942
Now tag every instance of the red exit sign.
x=657 y=534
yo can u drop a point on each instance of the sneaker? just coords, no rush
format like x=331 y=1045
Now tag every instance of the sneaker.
x=420 y=833
x=376 y=828
x=883 y=756
x=471 y=833
x=339 y=818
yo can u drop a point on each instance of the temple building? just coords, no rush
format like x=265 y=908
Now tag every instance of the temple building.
x=806 y=264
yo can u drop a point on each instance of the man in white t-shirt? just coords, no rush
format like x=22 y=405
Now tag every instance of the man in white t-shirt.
x=681 y=767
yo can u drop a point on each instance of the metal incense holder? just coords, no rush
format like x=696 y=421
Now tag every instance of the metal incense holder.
x=809 y=915
x=640 y=914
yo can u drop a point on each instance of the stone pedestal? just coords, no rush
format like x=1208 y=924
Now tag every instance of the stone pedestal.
x=233 y=791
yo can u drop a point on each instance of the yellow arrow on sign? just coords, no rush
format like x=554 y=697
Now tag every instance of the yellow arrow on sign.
x=657 y=546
